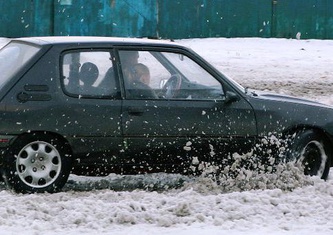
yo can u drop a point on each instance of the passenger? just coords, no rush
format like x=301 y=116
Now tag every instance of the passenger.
x=128 y=59
x=88 y=75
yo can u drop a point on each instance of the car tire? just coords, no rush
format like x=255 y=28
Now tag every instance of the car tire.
x=37 y=164
x=313 y=150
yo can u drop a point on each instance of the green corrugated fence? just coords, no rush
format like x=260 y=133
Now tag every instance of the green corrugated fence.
x=168 y=18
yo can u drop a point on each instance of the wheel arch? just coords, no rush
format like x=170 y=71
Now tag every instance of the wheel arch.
x=322 y=132
x=46 y=134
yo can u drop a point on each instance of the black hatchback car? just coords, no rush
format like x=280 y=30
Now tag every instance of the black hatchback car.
x=96 y=105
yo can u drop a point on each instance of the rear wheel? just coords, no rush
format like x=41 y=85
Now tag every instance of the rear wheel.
x=313 y=151
x=37 y=164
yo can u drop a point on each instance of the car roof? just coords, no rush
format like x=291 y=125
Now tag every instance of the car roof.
x=52 y=40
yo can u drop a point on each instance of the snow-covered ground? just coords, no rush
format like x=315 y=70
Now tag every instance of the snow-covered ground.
x=288 y=203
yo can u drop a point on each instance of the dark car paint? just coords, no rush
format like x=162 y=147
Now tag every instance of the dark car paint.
x=106 y=132
x=285 y=113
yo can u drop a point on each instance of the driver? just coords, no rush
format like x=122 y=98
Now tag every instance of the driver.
x=142 y=73
x=138 y=79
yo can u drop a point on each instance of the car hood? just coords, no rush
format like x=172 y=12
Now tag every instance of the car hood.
x=285 y=98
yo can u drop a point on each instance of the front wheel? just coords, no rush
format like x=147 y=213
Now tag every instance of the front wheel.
x=37 y=164
x=313 y=151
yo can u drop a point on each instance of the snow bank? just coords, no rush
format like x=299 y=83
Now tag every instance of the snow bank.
x=304 y=210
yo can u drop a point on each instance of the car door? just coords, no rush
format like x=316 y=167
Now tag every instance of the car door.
x=190 y=118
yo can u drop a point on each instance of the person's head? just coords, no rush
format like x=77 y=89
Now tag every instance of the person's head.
x=142 y=73
x=88 y=73
x=129 y=58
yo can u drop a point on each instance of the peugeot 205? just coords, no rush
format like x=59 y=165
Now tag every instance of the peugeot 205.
x=97 y=105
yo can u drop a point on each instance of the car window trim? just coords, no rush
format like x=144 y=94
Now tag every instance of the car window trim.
x=176 y=50
x=84 y=49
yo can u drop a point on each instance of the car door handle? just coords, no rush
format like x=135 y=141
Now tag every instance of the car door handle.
x=135 y=111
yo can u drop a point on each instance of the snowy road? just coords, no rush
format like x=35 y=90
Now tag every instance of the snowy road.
x=168 y=204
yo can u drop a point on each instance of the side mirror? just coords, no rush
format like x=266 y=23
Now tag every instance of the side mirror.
x=231 y=97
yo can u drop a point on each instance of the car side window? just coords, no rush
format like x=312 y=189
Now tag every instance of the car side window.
x=89 y=74
x=166 y=75
x=13 y=57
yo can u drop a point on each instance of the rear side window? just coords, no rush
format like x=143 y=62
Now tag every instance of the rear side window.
x=89 y=74
x=13 y=57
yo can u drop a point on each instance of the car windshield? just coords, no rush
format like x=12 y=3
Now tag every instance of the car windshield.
x=12 y=58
